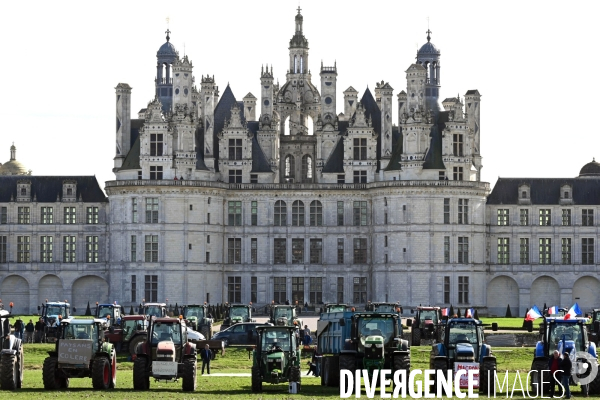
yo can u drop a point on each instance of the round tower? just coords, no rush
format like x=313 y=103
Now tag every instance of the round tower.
x=165 y=57
x=429 y=57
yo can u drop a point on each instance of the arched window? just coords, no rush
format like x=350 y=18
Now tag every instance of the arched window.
x=23 y=192
x=280 y=213
x=297 y=213
x=289 y=166
x=523 y=194
x=295 y=64
x=307 y=168
x=316 y=213
x=301 y=64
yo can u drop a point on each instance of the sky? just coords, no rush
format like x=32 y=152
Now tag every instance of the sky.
x=533 y=62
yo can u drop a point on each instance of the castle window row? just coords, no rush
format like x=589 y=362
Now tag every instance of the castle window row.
x=544 y=217
x=45 y=250
x=47 y=215
x=546 y=252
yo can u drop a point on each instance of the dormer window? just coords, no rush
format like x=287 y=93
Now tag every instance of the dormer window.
x=566 y=194
x=524 y=194
x=23 y=190
x=69 y=190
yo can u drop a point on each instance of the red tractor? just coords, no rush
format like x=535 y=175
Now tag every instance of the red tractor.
x=425 y=325
x=129 y=333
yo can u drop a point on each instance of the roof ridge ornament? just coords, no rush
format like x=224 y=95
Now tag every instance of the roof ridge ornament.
x=168 y=32
x=428 y=34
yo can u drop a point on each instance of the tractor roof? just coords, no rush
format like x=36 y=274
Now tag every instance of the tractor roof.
x=133 y=317
x=155 y=304
x=4 y=313
x=428 y=308
x=561 y=320
x=57 y=303
x=166 y=320
x=375 y=314
x=272 y=327
x=83 y=321
x=465 y=321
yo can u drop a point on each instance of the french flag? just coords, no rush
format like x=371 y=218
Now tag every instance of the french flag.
x=469 y=313
x=445 y=312
x=533 y=313
x=553 y=310
x=573 y=311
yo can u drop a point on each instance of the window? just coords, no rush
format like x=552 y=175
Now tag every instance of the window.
x=503 y=216
x=235 y=176
x=70 y=215
x=234 y=288
x=565 y=250
x=279 y=290
x=91 y=249
x=254 y=250
x=152 y=210
x=523 y=217
x=340 y=251
x=3 y=245
x=463 y=289
x=133 y=248
x=545 y=250
x=235 y=213
x=91 y=215
x=524 y=250
x=23 y=249
x=360 y=176
x=359 y=213
x=69 y=249
x=307 y=168
x=340 y=213
x=156 y=145
x=234 y=251
x=316 y=213
x=133 y=288
x=457 y=145
x=385 y=241
x=587 y=251
x=566 y=217
x=446 y=289
x=3 y=215
x=235 y=149
x=503 y=251
x=297 y=251
x=151 y=288
x=463 y=250
x=360 y=149
x=134 y=211
x=297 y=213
x=316 y=251
x=207 y=257
x=208 y=218
x=587 y=217
x=156 y=172
x=457 y=173
x=151 y=248
x=298 y=290
x=46 y=249
x=447 y=249
x=139 y=175
x=207 y=238
x=359 y=290
x=360 y=251
x=47 y=215
x=463 y=211
x=254 y=213
x=253 y=178
x=341 y=178
x=280 y=213
x=315 y=290
x=446 y=211
x=279 y=251
x=340 y=289
x=289 y=166
x=24 y=215
x=253 y=289
x=545 y=214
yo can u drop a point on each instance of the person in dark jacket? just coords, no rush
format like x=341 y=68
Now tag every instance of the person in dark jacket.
x=29 y=329
x=39 y=331
x=206 y=355
x=566 y=366
x=554 y=365
x=19 y=329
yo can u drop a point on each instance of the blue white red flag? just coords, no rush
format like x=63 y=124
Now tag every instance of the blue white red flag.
x=533 y=313
x=445 y=312
x=573 y=311
x=469 y=312
x=553 y=310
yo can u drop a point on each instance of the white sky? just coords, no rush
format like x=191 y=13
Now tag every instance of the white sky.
x=533 y=62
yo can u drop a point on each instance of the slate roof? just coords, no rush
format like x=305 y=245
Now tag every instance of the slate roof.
x=394 y=164
x=132 y=161
x=222 y=112
x=335 y=163
x=472 y=91
x=543 y=191
x=46 y=188
x=433 y=158
x=259 y=160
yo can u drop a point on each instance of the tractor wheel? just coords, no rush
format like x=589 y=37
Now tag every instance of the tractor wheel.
x=347 y=362
x=205 y=330
x=334 y=372
x=101 y=373
x=256 y=380
x=51 y=375
x=21 y=363
x=402 y=362
x=295 y=376
x=594 y=386
x=9 y=372
x=189 y=375
x=540 y=367
x=415 y=336
x=438 y=365
x=141 y=378
x=113 y=371
x=325 y=372
x=488 y=367
x=134 y=342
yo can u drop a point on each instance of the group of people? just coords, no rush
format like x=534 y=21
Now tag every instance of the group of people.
x=30 y=332
x=560 y=370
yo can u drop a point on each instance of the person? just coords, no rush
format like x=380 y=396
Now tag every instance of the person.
x=566 y=366
x=18 y=329
x=181 y=178
x=39 y=330
x=287 y=302
x=312 y=367
x=306 y=306
x=206 y=355
x=555 y=373
x=29 y=329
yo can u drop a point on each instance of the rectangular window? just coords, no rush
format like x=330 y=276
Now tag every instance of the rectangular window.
x=208 y=239
x=502 y=216
x=208 y=218
x=3 y=249
x=359 y=213
x=385 y=241
x=360 y=149
x=587 y=217
x=24 y=215
x=316 y=213
x=91 y=249
x=234 y=289
x=134 y=211
x=280 y=213
x=253 y=178
x=446 y=211
x=340 y=251
x=151 y=210
x=279 y=251
x=235 y=149
x=447 y=249
x=47 y=214
x=463 y=211
x=69 y=249
x=253 y=251
x=235 y=176
x=139 y=175
x=156 y=172
x=503 y=251
x=207 y=257
x=457 y=173
x=151 y=288
x=360 y=176
x=133 y=289
x=91 y=215
x=463 y=250
x=457 y=145
x=359 y=290
x=46 y=249
x=360 y=251
x=298 y=213
x=156 y=144
x=340 y=213
x=341 y=178
x=566 y=217
x=545 y=250
x=234 y=213
x=23 y=249
x=315 y=289
x=133 y=248
x=587 y=251
x=279 y=290
x=151 y=248
x=340 y=289
x=316 y=251
x=446 y=289
x=70 y=215
x=254 y=213
x=463 y=289
x=385 y=218
x=254 y=289
x=565 y=250
x=234 y=250
x=524 y=250
x=545 y=216
x=523 y=217
x=3 y=215
x=297 y=251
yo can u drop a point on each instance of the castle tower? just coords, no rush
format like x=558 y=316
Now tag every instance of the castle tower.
x=123 y=93
x=386 y=92
x=298 y=49
x=328 y=90
x=416 y=75
x=165 y=57
x=183 y=81
x=350 y=100
x=429 y=57
x=266 y=92
x=472 y=102
x=207 y=95
x=250 y=107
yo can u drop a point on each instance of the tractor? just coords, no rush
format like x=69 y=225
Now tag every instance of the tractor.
x=462 y=342
x=52 y=313
x=383 y=307
x=283 y=315
x=236 y=313
x=81 y=352
x=594 y=327
x=276 y=357
x=197 y=316
x=158 y=310
x=111 y=312
x=166 y=354
x=425 y=325
x=565 y=335
x=331 y=308
x=11 y=356
x=129 y=333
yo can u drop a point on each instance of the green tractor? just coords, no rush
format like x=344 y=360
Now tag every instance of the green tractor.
x=283 y=315
x=594 y=327
x=81 y=352
x=236 y=313
x=11 y=356
x=197 y=317
x=276 y=357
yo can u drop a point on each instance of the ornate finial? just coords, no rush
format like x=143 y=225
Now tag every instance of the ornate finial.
x=168 y=32
x=428 y=34
x=299 y=9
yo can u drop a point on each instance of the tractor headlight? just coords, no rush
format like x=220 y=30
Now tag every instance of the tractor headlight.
x=379 y=345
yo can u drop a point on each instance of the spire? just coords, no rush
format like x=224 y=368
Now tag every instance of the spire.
x=299 y=21
x=168 y=32
x=13 y=152
x=428 y=34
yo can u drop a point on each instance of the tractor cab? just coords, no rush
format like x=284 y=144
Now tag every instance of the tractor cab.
x=284 y=315
x=562 y=335
x=276 y=357
x=84 y=329
x=237 y=313
x=594 y=327
x=395 y=308
x=110 y=312
x=133 y=324
x=52 y=313
x=157 y=310
x=331 y=308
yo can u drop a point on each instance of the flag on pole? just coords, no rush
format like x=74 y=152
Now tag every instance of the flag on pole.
x=553 y=310
x=533 y=313
x=573 y=311
x=445 y=312
x=469 y=312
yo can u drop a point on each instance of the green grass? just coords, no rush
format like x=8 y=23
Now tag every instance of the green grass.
x=509 y=322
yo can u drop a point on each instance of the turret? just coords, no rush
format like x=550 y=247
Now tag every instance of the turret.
x=429 y=57
x=266 y=92
x=328 y=90
x=386 y=93
x=250 y=107
x=208 y=107
x=165 y=57
x=415 y=85
x=298 y=49
x=183 y=82
x=350 y=100
x=472 y=103
x=123 y=134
